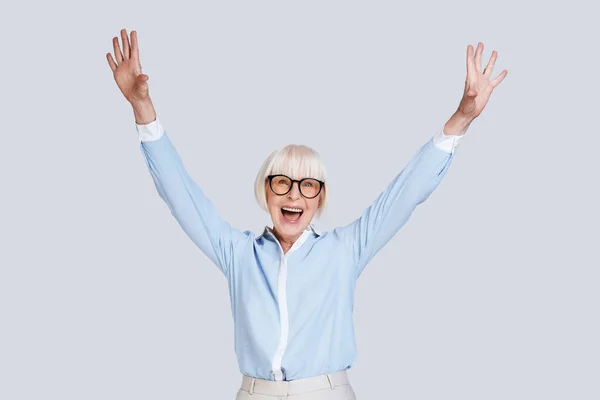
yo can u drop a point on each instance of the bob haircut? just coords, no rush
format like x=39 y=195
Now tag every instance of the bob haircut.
x=295 y=161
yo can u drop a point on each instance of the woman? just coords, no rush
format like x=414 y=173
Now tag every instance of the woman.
x=289 y=343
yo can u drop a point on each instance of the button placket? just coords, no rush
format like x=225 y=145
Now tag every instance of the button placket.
x=282 y=303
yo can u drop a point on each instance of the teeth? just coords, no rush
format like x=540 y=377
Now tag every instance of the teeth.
x=291 y=209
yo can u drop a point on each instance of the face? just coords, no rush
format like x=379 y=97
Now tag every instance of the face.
x=287 y=221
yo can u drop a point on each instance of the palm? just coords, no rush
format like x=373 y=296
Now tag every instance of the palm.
x=126 y=77
x=478 y=87
x=127 y=69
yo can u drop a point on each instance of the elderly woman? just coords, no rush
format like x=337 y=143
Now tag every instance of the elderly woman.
x=289 y=343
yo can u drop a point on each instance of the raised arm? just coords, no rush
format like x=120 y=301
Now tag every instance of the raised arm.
x=186 y=201
x=377 y=225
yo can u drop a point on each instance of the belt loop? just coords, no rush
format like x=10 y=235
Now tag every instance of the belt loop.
x=252 y=386
x=330 y=381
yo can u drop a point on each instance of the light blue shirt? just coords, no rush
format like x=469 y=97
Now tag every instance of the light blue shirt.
x=292 y=313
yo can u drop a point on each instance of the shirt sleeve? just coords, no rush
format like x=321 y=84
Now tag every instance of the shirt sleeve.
x=379 y=222
x=191 y=208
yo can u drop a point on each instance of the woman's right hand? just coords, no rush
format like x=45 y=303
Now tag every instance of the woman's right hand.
x=127 y=69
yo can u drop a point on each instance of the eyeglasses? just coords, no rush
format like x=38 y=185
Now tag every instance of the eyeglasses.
x=282 y=184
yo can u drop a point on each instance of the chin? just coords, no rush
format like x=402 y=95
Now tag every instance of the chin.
x=291 y=230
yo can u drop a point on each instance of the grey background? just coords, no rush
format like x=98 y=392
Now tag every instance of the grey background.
x=490 y=291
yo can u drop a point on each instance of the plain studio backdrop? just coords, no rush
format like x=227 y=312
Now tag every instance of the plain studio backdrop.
x=490 y=291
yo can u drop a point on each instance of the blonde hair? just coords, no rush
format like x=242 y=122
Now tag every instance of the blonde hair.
x=295 y=161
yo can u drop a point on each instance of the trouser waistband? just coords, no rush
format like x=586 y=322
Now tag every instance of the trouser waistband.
x=298 y=386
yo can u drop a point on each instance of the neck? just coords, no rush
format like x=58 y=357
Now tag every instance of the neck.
x=286 y=246
x=286 y=242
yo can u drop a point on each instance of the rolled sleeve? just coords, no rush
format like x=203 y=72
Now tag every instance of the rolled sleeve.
x=447 y=143
x=150 y=132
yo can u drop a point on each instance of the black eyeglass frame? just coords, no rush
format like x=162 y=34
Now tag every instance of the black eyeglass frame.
x=270 y=178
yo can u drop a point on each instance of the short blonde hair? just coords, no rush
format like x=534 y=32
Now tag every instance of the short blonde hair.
x=295 y=161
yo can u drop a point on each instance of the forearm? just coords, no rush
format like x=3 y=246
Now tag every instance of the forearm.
x=144 y=112
x=457 y=125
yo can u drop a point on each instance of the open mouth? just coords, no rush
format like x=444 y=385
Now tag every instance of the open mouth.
x=291 y=214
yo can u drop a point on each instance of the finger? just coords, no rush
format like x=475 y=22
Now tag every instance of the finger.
x=499 y=78
x=478 y=56
x=490 y=66
x=135 y=53
x=111 y=62
x=118 y=55
x=125 y=41
x=470 y=63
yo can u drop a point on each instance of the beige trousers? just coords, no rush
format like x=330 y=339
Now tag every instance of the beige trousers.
x=324 y=387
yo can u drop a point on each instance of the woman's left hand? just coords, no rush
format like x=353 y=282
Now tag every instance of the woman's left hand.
x=478 y=87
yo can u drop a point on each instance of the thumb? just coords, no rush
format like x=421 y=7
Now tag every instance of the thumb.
x=140 y=83
x=471 y=92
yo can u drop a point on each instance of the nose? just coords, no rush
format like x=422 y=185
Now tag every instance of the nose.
x=294 y=192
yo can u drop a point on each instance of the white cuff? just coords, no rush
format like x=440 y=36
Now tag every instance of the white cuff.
x=445 y=142
x=151 y=131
